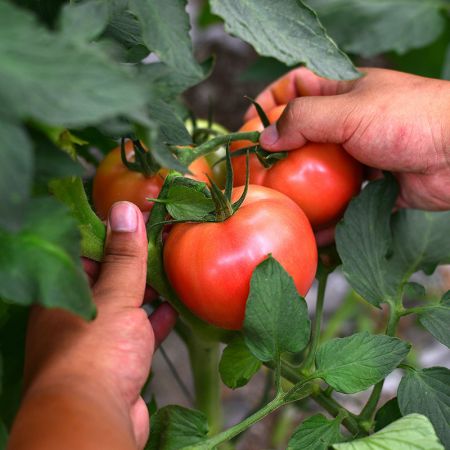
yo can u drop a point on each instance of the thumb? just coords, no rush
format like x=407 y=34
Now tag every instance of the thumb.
x=324 y=119
x=123 y=271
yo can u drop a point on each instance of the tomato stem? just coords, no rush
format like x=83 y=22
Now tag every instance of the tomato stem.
x=308 y=364
x=204 y=357
x=71 y=192
x=187 y=158
x=369 y=408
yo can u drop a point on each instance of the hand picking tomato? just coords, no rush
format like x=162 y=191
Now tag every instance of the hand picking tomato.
x=320 y=178
x=210 y=264
x=114 y=182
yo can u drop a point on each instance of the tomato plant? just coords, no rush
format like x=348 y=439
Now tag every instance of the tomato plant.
x=210 y=264
x=78 y=76
x=320 y=178
x=113 y=181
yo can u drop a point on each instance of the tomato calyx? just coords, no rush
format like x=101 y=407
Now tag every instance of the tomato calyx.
x=144 y=161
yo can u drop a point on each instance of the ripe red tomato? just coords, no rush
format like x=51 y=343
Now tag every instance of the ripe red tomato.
x=210 y=264
x=114 y=182
x=320 y=178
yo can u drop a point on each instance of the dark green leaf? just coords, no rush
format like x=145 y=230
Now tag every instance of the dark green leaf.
x=237 y=365
x=166 y=82
x=186 y=203
x=264 y=70
x=355 y=363
x=316 y=433
x=387 y=414
x=291 y=34
x=47 y=77
x=16 y=171
x=174 y=427
x=379 y=252
x=41 y=263
x=413 y=432
x=276 y=317
x=3 y=435
x=427 y=392
x=84 y=21
x=171 y=127
x=12 y=347
x=446 y=68
x=155 y=141
x=52 y=162
x=363 y=240
x=368 y=27
x=425 y=61
x=165 y=27
x=436 y=319
x=124 y=26
x=414 y=290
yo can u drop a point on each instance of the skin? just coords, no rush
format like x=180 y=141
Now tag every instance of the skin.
x=83 y=379
x=320 y=178
x=387 y=120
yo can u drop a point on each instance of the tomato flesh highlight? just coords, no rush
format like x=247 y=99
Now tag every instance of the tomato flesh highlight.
x=210 y=264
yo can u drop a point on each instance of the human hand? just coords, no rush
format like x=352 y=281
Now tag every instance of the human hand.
x=387 y=120
x=107 y=361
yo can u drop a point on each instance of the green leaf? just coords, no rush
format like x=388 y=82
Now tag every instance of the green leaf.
x=427 y=392
x=436 y=319
x=292 y=34
x=413 y=432
x=237 y=365
x=276 y=317
x=3 y=435
x=16 y=171
x=446 y=68
x=49 y=78
x=41 y=263
x=316 y=433
x=123 y=25
x=12 y=346
x=363 y=240
x=420 y=241
x=174 y=427
x=165 y=27
x=387 y=414
x=368 y=27
x=154 y=140
x=82 y=22
x=186 y=203
x=353 y=364
x=380 y=252
x=172 y=129
x=52 y=162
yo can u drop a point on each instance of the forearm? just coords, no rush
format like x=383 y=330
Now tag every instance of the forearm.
x=71 y=417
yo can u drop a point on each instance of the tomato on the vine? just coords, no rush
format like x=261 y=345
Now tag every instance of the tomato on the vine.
x=114 y=182
x=320 y=178
x=210 y=264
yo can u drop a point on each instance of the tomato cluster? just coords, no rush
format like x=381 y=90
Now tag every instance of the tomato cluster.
x=210 y=264
x=320 y=178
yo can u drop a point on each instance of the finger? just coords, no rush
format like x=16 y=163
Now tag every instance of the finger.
x=140 y=420
x=123 y=271
x=326 y=119
x=150 y=294
x=163 y=320
x=91 y=268
x=299 y=82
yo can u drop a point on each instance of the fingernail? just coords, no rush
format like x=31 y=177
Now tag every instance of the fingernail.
x=123 y=217
x=269 y=136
